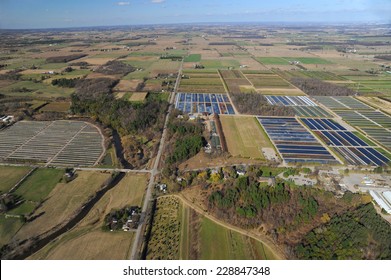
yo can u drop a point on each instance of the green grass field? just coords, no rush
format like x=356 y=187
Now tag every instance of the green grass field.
x=220 y=243
x=244 y=137
x=220 y=64
x=308 y=60
x=8 y=228
x=36 y=90
x=10 y=175
x=39 y=184
x=273 y=60
x=193 y=58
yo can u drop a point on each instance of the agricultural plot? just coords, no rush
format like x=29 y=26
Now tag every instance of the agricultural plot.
x=87 y=241
x=269 y=81
x=273 y=60
x=308 y=60
x=10 y=175
x=320 y=75
x=381 y=135
x=234 y=80
x=192 y=58
x=341 y=102
x=62 y=143
x=204 y=103
x=220 y=243
x=290 y=100
x=62 y=202
x=294 y=142
x=61 y=107
x=377 y=102
x=220 y=63
x=311 y=111
x=201 y=82
x=303 y=105
x=138 y=96
x=373 y=83
x=348 y=145
x=244 y=137
x=366 y=118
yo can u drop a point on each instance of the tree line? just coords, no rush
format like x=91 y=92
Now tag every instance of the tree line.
x=256 y=104
x=317 y=87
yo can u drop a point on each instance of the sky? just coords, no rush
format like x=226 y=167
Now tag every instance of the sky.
x=79 y=13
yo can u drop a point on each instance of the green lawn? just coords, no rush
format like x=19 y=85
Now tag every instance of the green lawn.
x=39 y=184
x=10 y=175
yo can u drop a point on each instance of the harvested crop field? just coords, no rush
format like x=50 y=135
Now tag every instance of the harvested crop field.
x=61 y=107
x=127 y=85
x=138 y=96
x=10 y=175
x=63 y=202
x=244 y=137
x=87 y=240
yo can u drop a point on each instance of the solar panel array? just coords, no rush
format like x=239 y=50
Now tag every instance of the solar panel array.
x=204 y=103
x=351 y=147
x=68 y=143
x=294 y=142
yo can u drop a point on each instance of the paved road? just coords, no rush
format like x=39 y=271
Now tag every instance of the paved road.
x=148 y=195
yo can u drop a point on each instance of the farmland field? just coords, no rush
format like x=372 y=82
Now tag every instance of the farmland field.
x=268 y=81
x=193 y=58
x=219 y=64
x=308 y=60
x=201 y=82
x=352 y=148
x=244 y=137
x=377 y=102
x=220 y=243
x=69 y=143
x=138 y=96
x=273 y=60
x=64 y=200
x=201 y=238
x=8 y=228
x=61 y=107
x=87 y=241
x=200 y=103
x=10 y=175
x=39 y=184
x=294 y=142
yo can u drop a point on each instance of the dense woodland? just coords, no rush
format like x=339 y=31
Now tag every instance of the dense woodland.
x=358 y=234
x=308 y=222
x=65 y=58
x=317 y=87
x=63 y=82
x=137 y=123
x=256 y=104
x=115 y=67
x=185 y=141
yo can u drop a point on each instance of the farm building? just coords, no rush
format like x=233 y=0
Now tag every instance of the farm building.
x=380 y=201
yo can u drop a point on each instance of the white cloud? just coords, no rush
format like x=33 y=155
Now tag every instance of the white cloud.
x=123 y=3
x=157 y=1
